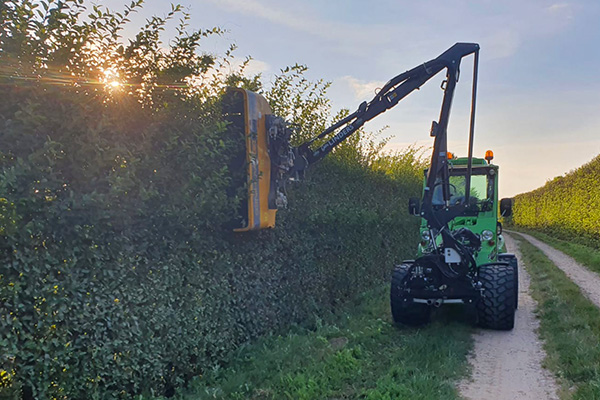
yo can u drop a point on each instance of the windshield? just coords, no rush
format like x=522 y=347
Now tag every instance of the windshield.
x=481 y=196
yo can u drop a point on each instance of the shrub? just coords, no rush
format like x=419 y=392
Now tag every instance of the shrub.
x=117 y=274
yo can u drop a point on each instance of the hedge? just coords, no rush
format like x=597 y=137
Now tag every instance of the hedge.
x=567 y=206
x=119 y=275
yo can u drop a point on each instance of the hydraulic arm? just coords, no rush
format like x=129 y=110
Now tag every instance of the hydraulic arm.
x=286 y=162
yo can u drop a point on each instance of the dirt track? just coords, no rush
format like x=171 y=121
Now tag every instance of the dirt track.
x=588 y=281
x=508 y=365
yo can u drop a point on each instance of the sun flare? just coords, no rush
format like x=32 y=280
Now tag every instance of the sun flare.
x=111 y=79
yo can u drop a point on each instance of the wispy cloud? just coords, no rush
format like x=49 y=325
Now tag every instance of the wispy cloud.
x=362 y=90
x=258 y=9
x=564 y=10
x=254 y=67
x=348 y=37
x=558 y=7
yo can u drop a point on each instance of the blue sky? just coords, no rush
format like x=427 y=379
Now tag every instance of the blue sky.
x=539 y=90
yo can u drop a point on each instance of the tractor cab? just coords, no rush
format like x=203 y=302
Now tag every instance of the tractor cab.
x=481 y=212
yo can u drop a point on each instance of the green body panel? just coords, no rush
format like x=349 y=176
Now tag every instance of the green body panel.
x=480 y=221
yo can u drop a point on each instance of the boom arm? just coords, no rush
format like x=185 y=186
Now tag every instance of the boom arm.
x=394 y=91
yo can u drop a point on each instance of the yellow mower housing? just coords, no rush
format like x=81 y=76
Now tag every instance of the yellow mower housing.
x=250 y=111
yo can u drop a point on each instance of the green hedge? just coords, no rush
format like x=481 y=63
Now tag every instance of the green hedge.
x=567 y=207
x=118 y=274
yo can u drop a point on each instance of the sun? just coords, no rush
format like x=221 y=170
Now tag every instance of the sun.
x=111 y=79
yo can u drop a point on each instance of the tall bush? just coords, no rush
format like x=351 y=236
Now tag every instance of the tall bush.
x=117 y=274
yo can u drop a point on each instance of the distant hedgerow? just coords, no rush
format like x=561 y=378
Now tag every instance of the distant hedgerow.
x=567 y=207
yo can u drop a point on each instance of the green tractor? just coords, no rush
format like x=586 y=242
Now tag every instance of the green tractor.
x=475 y=268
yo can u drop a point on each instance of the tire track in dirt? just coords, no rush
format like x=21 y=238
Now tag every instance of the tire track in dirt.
x=508 y=365
x=588 y=281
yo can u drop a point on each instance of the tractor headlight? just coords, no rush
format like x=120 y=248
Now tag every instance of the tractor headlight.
x=487 y=235
x=426 y=236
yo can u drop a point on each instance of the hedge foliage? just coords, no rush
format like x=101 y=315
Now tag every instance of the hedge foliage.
x=567 y=207
x=118 y=275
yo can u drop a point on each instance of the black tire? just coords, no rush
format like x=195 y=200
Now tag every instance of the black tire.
x=516 y=272
x=512 y=260
x=404 y=311
x=496 y=308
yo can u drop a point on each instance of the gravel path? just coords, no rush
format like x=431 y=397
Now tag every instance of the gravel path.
x=588 y=281
x=508 y=365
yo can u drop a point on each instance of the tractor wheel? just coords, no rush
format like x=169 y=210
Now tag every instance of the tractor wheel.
x=512 y=260
x=516 y=268
x=404 y=311
x=496 y=308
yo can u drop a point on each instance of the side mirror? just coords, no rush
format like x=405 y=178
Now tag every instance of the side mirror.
x=413 y=206
x=506 y=207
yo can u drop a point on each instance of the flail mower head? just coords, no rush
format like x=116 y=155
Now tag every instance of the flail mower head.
x=267 y=157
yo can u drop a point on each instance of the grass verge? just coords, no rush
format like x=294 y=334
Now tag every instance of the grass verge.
x=569 y=325
x=359 y=355
x=585 y=255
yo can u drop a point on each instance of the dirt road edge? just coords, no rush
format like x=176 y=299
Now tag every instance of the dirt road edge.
x=508 y=365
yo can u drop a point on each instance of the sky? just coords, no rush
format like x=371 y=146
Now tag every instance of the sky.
x=538 y=102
